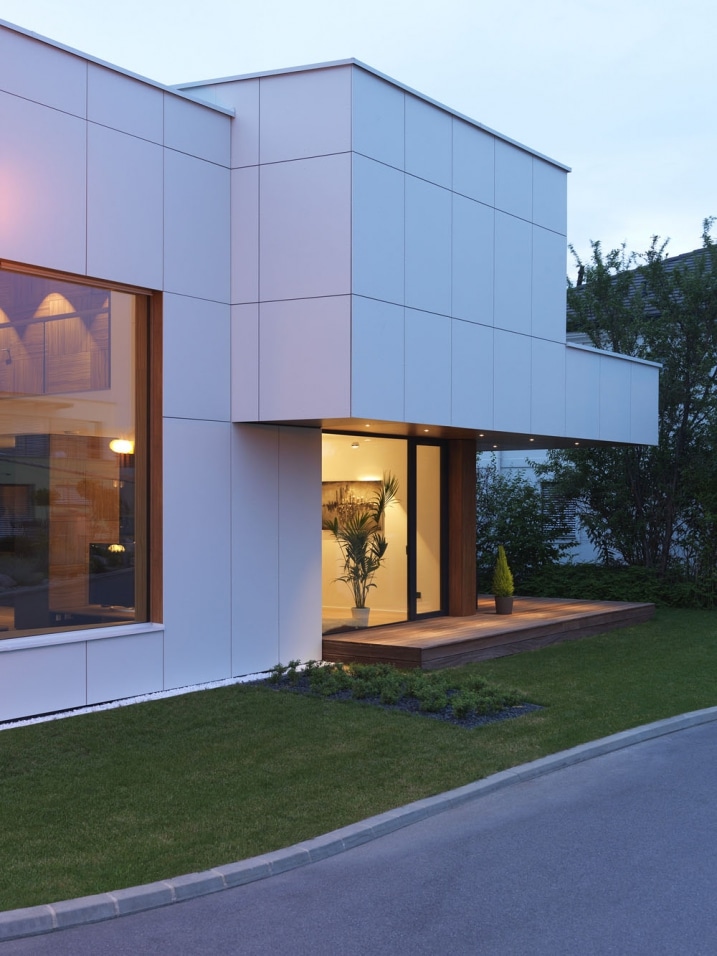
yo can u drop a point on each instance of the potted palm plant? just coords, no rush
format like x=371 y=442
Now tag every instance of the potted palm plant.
x=363 y=545
x=503 y=586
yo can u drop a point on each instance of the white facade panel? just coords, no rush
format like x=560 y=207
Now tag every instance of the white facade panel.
x=473 y=162
x=196 y=378
x=550 y=196
x=305 y=228
x=511 y=390
x=44 y=185
x=305 y=114
x=428 y=246
x=245 y=234
x=547 y=388
x=378 y=119
x=245 y=362
x=429 y=142
x=472 y=261
x=197 y=551
x=471 y=375
x=513 y=180
x=377 y=360
x=305 y=359
x=614 y=399
x=40 y=680
x=644 y=383
x=512 y=309
x=196 y=224
x=125 y=214
x=195 y=130
x=125 y=104
x=40 y=72
x=243 y=97
x=124 y=666
x=548 y=284
x=428 y=367
x=378 y=230
x=255 y=548
x=299 y=544
x=582 y=393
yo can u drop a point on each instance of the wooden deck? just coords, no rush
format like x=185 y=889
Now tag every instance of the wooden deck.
x=446 y=641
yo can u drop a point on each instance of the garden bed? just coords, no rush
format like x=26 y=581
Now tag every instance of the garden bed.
x=470 y=701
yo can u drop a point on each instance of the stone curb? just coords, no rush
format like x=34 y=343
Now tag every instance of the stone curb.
x=35 y=920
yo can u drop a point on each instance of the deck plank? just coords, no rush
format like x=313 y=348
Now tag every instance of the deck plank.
x=447 y=641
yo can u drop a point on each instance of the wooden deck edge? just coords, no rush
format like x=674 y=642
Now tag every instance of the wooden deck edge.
x=348 y=652
x=474 y=650
x=452 y=651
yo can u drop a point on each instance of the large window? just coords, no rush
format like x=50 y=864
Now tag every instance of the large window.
x=411 y=580
x=73 y=454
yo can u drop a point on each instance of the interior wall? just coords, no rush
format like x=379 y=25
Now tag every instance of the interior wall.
x=428 y=528
x=368 y=462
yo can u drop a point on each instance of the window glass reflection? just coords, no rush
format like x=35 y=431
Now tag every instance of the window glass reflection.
x=68 y=501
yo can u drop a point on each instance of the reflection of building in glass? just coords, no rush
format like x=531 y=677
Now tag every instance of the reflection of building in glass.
x=66 y=384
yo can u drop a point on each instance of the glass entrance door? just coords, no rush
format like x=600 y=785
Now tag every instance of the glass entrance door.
x=428 y=531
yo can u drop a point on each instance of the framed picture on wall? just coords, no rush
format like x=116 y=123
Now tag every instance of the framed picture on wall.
x=343 y=499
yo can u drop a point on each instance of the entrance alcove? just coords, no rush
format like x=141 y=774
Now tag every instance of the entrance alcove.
x=410 y=584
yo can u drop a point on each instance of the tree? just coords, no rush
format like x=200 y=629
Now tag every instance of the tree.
x=652 y=506
x=510 y=511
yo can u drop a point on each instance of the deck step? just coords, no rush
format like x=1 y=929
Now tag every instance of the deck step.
x=448 y=641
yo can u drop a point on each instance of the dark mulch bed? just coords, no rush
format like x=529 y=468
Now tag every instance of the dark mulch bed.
x=408 y=705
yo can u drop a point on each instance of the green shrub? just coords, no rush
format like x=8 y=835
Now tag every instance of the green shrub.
x=434 y=691
x=597 y=582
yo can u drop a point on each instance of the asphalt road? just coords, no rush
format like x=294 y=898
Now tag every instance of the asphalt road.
x=615 y=855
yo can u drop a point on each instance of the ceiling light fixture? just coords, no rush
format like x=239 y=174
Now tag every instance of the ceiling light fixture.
x=122 y=446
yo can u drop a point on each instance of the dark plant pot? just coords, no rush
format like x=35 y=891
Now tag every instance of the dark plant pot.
x=503 y=604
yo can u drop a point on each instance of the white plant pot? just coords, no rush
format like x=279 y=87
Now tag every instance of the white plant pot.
x=359 y=616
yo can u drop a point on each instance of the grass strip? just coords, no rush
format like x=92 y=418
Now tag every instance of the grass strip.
x=128 y=796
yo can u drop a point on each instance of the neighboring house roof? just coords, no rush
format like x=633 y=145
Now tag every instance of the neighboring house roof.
x=686 y=261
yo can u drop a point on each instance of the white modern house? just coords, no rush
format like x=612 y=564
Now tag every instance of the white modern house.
x=228 y=305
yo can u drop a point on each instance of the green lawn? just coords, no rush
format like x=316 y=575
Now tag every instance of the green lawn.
x=128 y=796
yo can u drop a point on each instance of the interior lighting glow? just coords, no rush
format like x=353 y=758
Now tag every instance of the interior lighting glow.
x=122 y=446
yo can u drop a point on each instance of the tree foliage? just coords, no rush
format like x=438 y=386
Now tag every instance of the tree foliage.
x=510 y=511
x=653 y=506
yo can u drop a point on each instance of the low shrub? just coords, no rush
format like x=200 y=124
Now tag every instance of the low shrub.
x=433 y=692
x=597 y=582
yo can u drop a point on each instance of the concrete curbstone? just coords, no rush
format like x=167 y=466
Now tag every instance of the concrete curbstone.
x=29 y=921
x=282 y=860
x=149 y=896
x=196 y=884
x=245 y=871
x=84 y=909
